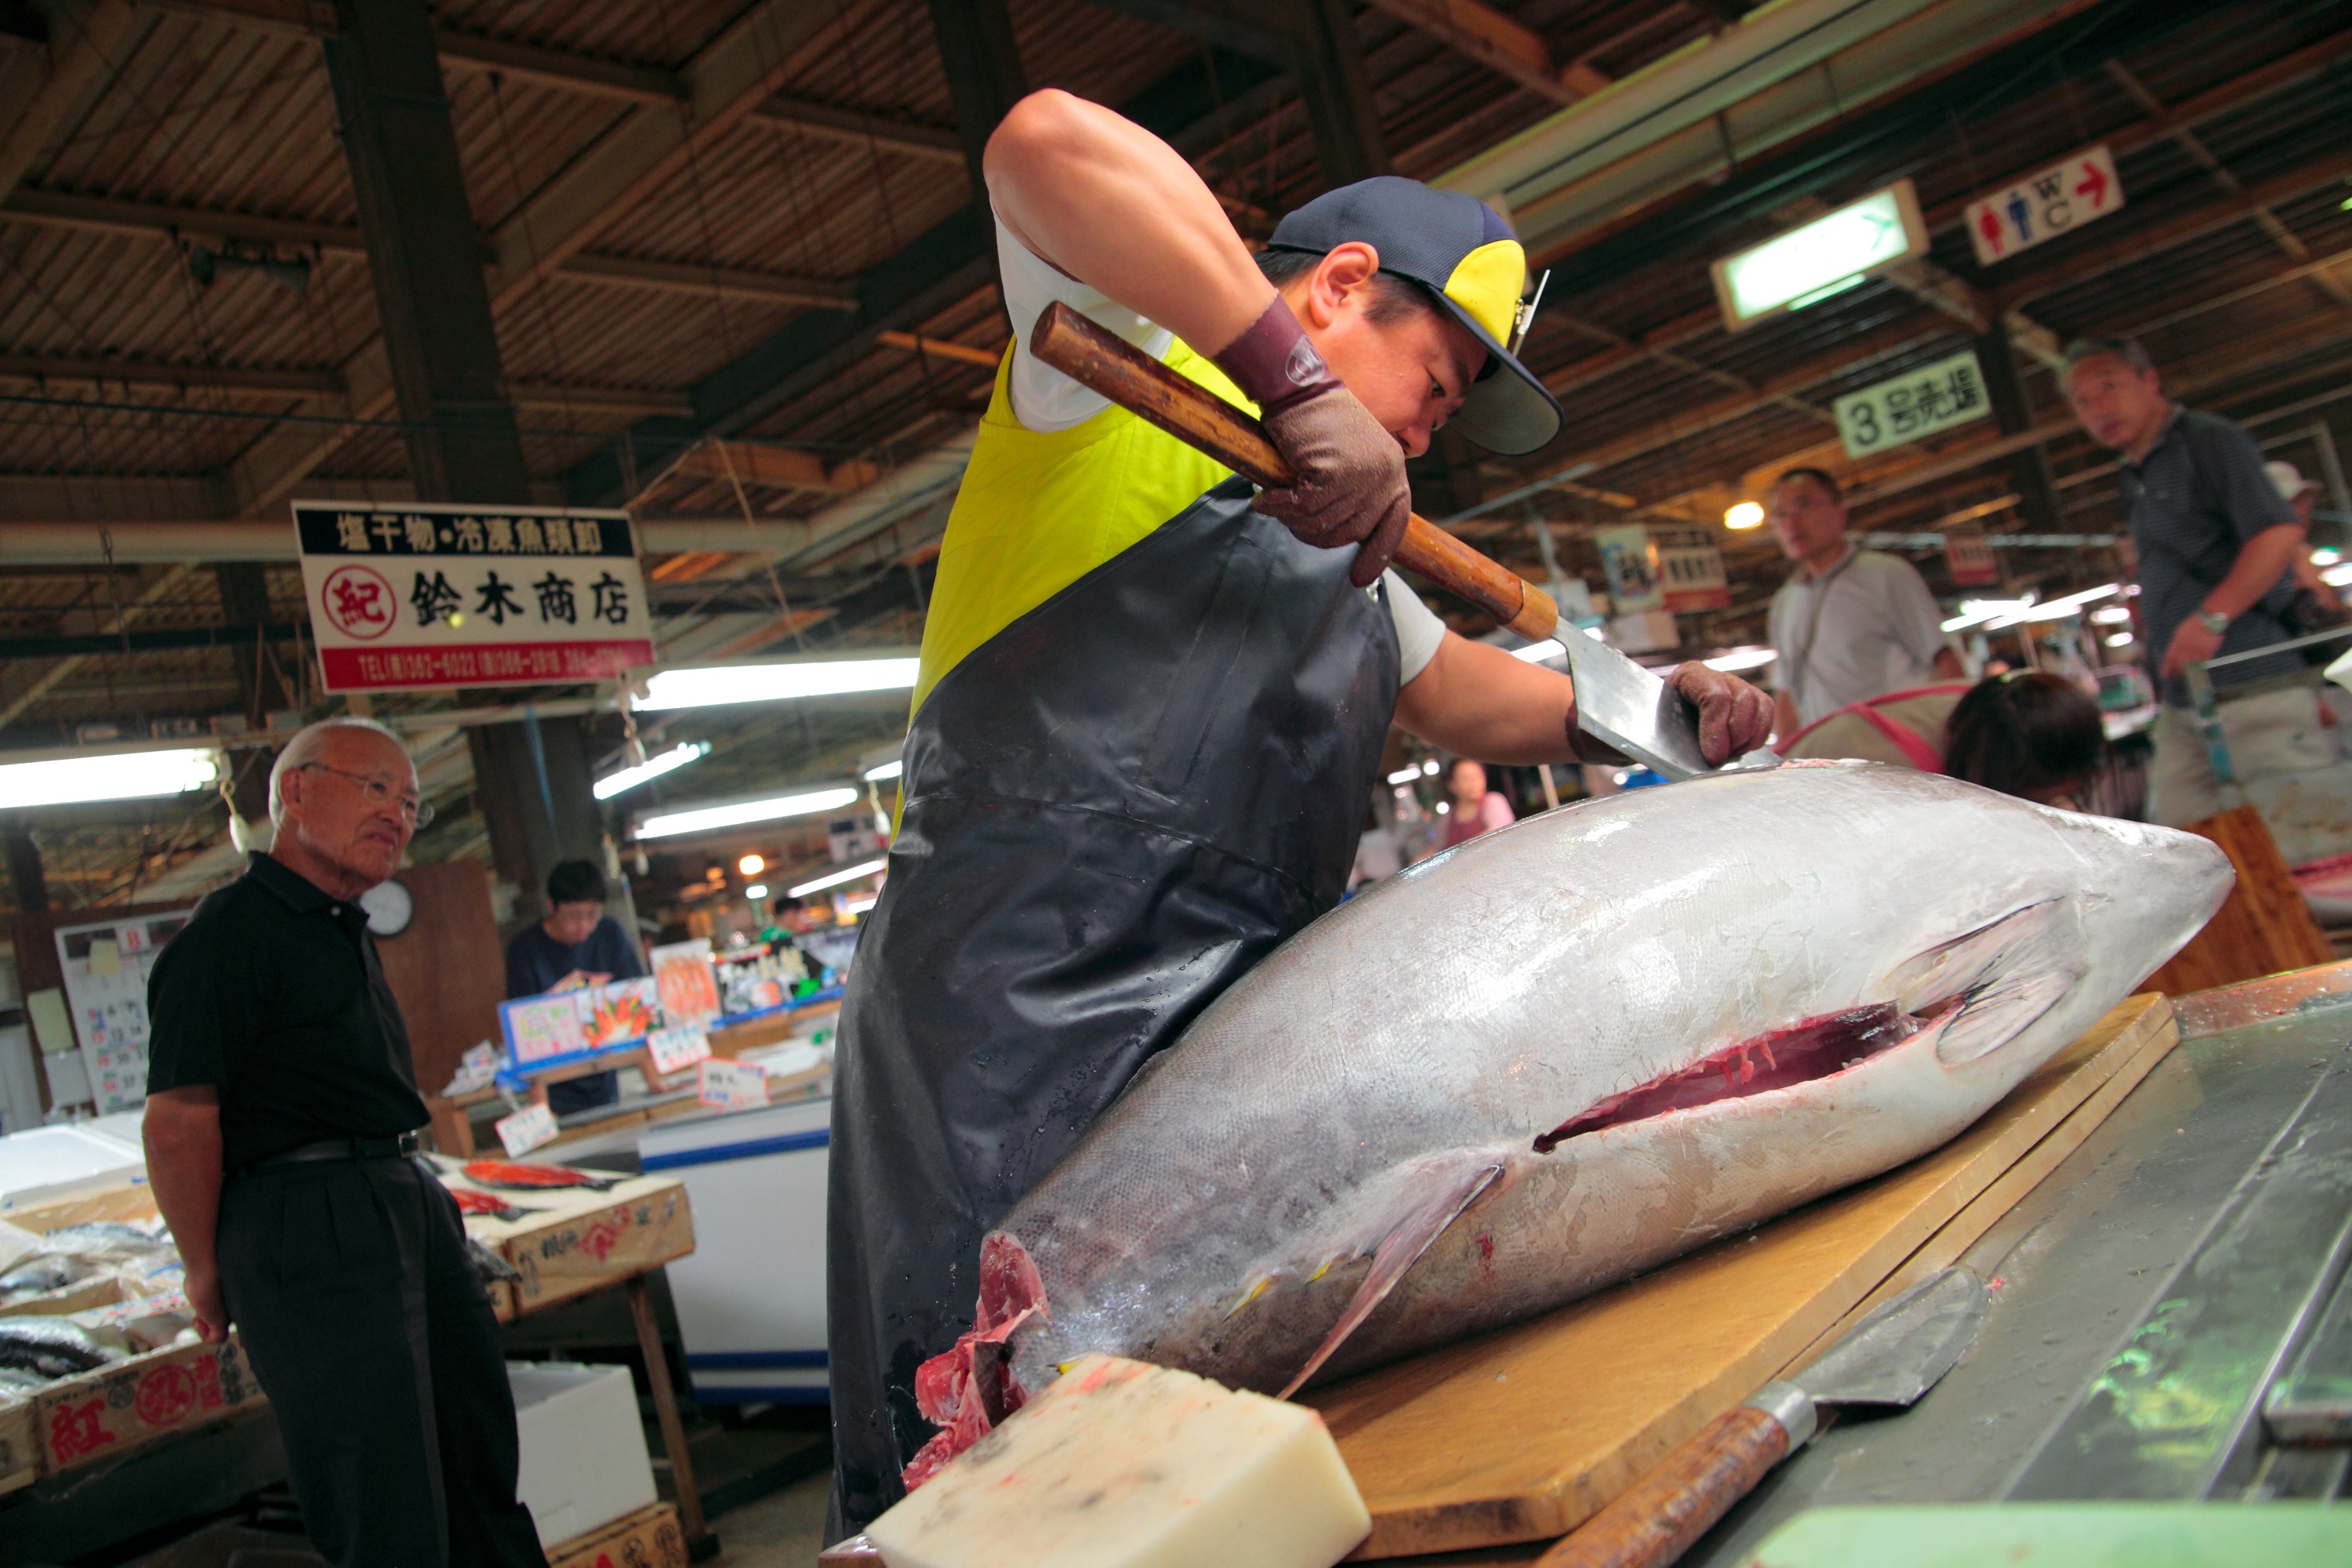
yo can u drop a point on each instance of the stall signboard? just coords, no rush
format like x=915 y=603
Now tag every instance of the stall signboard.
x=725 y=1085
x=1967 y=558
x=2044 y=204
x=541 y=1029
x=527 y=1129
x=1631 y=560
x=1694 y=578
x=428 y=597
x=682 y=972
x=106 y=967
x=678 y=1047
x=1917 y=403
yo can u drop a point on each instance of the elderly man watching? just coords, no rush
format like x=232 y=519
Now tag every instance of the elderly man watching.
x=1850 y=624
x=2217 y=546
x=282 y=1112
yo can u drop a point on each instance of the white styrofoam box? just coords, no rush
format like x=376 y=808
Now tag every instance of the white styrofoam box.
x=20 y=1091
x=584 y=1448
x=47 y=1164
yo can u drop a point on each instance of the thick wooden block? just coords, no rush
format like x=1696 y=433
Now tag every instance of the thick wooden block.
x=99 y=1414
x=581 y=1241
x=1522 y=1435
x=649 y=1538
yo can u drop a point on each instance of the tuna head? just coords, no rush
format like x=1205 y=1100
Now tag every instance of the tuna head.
x=1569 y=1051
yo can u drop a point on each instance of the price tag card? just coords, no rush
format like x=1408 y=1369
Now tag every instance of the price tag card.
x=675 y=1049
x=526 y=1130
x=723 y=1085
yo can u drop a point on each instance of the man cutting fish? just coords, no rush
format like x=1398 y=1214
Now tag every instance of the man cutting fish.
x=1151 y=706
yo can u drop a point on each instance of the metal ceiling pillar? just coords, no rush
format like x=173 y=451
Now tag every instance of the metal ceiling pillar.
x=2029 y=471
x=424 y=254
x=984 y=77
x=1329 y=66
x=532 y=779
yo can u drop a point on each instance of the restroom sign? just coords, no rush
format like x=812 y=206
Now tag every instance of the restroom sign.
x=2044 y=206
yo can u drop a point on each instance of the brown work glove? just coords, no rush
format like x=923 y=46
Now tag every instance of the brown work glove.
x=1349 y=485
x=1734 y=717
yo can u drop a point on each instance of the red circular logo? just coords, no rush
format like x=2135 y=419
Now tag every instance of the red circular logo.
x=359 y=603
x=166 y=1395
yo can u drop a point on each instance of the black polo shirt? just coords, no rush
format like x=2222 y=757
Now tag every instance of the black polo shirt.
x=272 y=995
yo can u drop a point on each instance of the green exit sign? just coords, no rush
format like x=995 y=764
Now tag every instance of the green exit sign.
x=1827 y=256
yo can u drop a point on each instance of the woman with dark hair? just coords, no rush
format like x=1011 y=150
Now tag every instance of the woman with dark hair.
x=2027 y=733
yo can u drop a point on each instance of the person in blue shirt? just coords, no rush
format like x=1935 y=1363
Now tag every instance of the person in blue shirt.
x=575 y=936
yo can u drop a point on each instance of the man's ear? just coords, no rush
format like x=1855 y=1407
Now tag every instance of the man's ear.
x=1345 y=271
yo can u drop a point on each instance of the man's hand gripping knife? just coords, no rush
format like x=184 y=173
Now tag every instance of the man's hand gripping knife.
x=1351 y=486
x=1734 y=717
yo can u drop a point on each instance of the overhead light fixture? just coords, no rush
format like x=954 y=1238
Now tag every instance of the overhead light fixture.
x=859 y=906
x=2111 y=615
x=709 y=685
x=756 y=891
x=834 y=878
x=1429 y=766
x=1745 y=514
x=888 y=771
x=2120 y=639
x=1537 y=652
x=1404 y=775
x=1976 y=612
x=112 y=775
x=2323 y=556
x=2337 y=576
x=2056 y=609
x=1739 y=658
x=752 y=865
x=703 y=819
x=651 y=768
x=1836 y=252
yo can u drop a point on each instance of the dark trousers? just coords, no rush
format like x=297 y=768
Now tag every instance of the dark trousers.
x=350 y=1285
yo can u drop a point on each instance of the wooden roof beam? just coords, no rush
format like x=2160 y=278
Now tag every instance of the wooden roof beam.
x=850 y=127
x=81 y=49
x=679 y=277
x=1501 y=43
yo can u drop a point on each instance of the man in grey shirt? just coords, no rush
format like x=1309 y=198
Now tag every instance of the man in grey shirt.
x=1850 y=624
x=2217 y=547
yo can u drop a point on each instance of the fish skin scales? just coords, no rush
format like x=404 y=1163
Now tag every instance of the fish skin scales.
x=1452 y=1016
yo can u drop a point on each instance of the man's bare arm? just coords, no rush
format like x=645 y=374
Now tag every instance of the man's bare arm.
x=1473 y=699
x=1117 y=208
x=182 y=1133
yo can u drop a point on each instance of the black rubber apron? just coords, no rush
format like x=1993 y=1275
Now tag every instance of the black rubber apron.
x=1114 y=808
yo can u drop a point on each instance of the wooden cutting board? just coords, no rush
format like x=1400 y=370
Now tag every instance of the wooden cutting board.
x=1524 y=1434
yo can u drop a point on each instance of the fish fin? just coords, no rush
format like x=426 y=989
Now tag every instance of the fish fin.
x=1974 y=958
x=1990 y=1020
x=1405 y=1242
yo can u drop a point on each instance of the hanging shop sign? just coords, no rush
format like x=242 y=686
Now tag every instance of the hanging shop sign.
x=2042 y=207
x=1917 y=403
x=1967 y=558
x=428 y=597
x=1692 y=574
x=1631 y=561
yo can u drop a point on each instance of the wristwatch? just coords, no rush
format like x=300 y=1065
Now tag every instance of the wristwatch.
x=2213 y=621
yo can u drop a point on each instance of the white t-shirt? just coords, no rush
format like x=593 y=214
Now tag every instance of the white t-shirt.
x=1866 y=627
x=1046 y=400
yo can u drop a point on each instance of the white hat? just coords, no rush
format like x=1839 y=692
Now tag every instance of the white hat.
x=2288 y=479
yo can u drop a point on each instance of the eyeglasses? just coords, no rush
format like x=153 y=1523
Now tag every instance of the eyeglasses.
x=377 y=793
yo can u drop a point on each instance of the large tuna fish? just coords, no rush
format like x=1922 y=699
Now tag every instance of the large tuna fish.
x=1562 y=1054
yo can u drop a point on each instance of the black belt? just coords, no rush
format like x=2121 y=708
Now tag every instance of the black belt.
x=398 y=1148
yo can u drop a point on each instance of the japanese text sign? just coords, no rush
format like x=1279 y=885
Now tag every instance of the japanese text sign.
x=725 y=1085
x=1694 y=578
x=1631 y=560
x=423 y=598
x=1917 y=403
x=527 y=1129
x=2044 y=205
x=1967 y=557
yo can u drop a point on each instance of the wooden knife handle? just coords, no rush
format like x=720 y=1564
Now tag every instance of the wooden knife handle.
x=1654 y=1522
x=1109 y=364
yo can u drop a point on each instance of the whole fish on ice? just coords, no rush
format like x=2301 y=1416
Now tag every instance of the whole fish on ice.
x=1560 y=1055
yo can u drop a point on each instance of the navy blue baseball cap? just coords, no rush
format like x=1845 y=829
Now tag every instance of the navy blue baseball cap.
x=1461 y=252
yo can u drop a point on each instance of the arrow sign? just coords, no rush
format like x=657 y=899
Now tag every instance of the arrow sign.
x=2044 y=206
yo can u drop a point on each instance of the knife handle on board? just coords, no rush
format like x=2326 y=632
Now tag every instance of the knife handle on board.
x=1654 y=1520
x=1108 y=365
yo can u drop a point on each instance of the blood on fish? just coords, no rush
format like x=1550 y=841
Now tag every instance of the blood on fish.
x=951 y=1389
x=1814 y=1048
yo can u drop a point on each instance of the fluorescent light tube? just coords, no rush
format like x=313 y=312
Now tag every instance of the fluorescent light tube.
x=1537 y=652
x=113 y=775
x=884 y=773
x=834 y=878
x=702 y=819
x=709 y=685
x=651 y=768
x=1740 y=658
